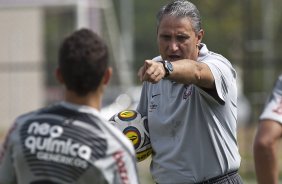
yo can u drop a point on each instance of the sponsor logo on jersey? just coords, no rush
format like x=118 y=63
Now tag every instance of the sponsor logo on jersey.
x=45 y=138
x=54 y=147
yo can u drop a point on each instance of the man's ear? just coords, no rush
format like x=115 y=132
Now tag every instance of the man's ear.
x=107 y=75
x=59 y=76
x=200 y=36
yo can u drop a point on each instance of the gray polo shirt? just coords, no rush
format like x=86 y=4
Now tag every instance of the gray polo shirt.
x=192 y=134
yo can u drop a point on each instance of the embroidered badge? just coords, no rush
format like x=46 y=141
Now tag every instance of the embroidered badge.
x=152 y=106
x=187 y=92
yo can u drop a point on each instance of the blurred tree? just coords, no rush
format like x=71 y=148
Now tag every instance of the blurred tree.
x=262 y=45
x=145 y=30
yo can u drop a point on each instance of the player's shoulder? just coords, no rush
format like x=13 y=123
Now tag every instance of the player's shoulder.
x=278 y=85
x=35 y=111
x=206 y=55
x=27 y=115
x=215 y=57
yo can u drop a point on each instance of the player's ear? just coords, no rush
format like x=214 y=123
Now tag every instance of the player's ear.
x=59 y=76
x=107 y=75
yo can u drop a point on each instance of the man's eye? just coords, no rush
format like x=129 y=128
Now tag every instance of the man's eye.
x=182 y=38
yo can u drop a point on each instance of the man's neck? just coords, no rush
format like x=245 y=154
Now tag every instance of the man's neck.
x=91 y=99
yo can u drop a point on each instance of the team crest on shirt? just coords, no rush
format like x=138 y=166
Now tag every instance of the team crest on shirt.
x=152 y=106
x=154 y=102
x=187 y=91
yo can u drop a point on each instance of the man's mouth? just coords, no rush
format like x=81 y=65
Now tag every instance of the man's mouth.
x=174 y=57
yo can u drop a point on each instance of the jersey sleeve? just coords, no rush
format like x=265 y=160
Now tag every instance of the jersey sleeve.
x=7 y=171
x=273 y=106
x=225 y=77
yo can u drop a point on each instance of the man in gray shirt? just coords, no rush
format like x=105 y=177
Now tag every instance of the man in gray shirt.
x=189 y=95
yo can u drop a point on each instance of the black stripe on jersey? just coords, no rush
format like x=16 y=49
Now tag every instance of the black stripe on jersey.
x=43 y=182
x=37 y=167
x=67 y=179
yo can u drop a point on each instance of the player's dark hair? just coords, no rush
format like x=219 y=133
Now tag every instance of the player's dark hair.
x=83 y=60
x=181 y=8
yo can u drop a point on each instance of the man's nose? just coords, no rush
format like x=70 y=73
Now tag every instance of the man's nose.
x=173 y=46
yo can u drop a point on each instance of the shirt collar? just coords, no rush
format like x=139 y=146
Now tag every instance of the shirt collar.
x=203 y=51
x=80 y=108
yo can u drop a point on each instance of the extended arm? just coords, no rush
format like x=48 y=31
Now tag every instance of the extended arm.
x=185 y=71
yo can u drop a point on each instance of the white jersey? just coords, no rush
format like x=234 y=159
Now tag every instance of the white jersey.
x=193 y=135
x=273 y=106
x=66 y=144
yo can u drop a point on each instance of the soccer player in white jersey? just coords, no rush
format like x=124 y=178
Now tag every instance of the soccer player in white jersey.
x=267 y=138
x=69 y=142
x=189 y=95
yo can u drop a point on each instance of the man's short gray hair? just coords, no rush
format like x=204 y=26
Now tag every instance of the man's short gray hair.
x=181 y=8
